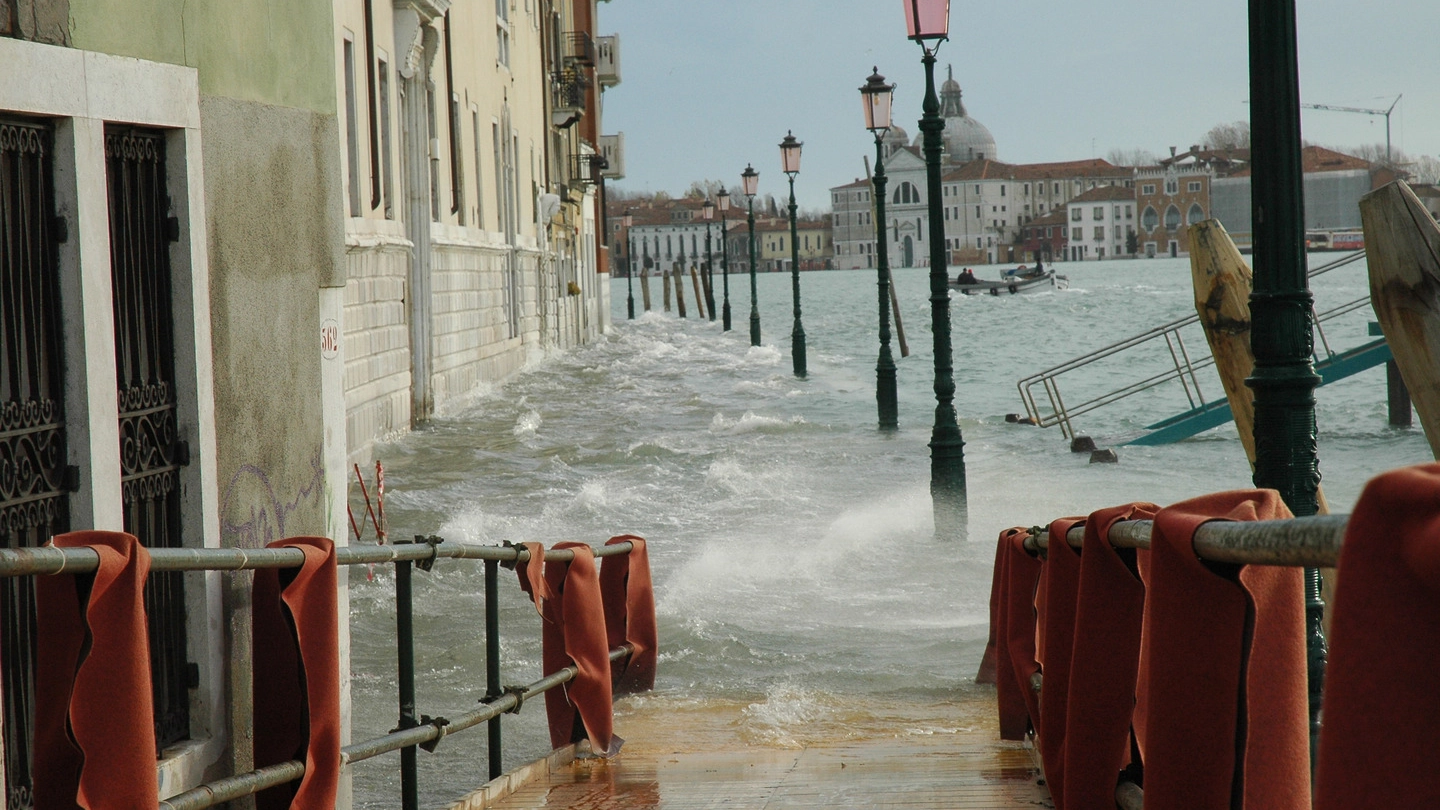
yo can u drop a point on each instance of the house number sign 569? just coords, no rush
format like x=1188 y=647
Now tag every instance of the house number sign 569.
x=330 y=339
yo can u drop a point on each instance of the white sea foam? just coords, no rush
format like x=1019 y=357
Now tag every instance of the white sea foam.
x=527 y=424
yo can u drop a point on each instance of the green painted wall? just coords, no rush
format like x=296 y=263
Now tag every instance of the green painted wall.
x=277 y=52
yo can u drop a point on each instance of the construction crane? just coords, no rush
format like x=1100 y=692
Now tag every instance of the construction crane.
x=1364 y=111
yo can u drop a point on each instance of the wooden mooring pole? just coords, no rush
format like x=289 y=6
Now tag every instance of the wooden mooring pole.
x=1402 y=245
x=645 y=287
x=699 y=296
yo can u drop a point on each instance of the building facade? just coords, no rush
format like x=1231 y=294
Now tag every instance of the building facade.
x=472 y=241
x=343 y=215
x=1101 y=223
x=1171 y=198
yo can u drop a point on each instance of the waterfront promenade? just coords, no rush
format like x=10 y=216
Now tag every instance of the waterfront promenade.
x=934 y=755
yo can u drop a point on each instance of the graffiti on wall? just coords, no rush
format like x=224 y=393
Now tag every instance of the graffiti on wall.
x=253 y=512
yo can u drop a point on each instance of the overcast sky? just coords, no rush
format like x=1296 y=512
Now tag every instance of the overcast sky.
x=710 y=86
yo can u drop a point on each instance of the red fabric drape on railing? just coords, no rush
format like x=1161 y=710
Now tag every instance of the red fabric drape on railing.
x=986 y=672
x=573 y=633
x=629 y=599
x=1108 y=614
x=1224 y=667
x=297 y=675
x=94 y=713
x=1015 y=662
x=1059 y=580
x=1382 y=685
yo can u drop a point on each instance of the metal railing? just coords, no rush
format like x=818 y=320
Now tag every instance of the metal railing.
x=1313 y=542
x=1183 y=368
x=414 y=731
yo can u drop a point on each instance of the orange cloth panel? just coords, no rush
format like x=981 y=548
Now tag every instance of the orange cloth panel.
x=1382 y=685
x=297 y=675
x=629 y=600
x=1226 y=725
x=94 y=714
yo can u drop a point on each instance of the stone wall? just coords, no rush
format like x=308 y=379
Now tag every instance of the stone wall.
x=377 y=338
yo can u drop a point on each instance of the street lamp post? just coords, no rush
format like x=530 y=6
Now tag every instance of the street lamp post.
x=1281 y=304
x=926 y=21
x=629 y=220
x=750 y=182
x=724 y=199
x=790 y=164
x=877 y=96
x=708 y=212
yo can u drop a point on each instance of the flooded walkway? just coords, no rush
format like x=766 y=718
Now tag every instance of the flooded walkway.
x=687 y=758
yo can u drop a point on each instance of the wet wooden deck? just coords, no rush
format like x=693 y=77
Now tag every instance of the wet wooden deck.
x=908 y=755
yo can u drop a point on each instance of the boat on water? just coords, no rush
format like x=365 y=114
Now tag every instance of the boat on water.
x=1017 y=280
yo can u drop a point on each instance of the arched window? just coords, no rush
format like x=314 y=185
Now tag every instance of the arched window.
x=906 y=193
x=1196 y=213
x=1149 y=219
x=1172 y=218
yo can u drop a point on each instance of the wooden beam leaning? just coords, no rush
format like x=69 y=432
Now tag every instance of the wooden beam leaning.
x=1222 y=300
x=1402 y=244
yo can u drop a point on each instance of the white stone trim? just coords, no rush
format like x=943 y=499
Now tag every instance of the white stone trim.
x=85 y=90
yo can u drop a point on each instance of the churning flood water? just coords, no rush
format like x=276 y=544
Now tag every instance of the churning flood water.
x=801 y=592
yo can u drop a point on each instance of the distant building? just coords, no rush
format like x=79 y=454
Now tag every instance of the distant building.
x=852 y=217
x=1046 y=237
x=1101 y=221
x=1334 y=184
x=1170 y=198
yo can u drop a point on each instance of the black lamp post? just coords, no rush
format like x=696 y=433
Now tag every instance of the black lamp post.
x=929 y=21
x=790 y=164
x=724 y=199
x=629 y=220
x=708 y=212
x=1284 y=379
x=750 y=182
x=877 y=96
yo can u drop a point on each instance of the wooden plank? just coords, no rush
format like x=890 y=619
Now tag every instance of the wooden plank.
x=1402 y=246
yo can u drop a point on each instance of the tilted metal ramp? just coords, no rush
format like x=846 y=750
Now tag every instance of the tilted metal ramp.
x=1184 y=370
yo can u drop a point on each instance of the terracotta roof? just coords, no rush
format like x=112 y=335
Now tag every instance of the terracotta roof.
x=1105 y=193
x=859 y=183
x=1318 y=159
x=1056 y=217
x=995 y=170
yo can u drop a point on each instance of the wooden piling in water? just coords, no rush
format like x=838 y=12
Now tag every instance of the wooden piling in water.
x=1222 y=282
x=699 y=297
x=1402 y=245
x=679 y=270
x=645 y=287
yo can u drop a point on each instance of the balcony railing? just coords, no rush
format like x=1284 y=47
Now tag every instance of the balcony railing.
x=579 y=48
x=567 y=97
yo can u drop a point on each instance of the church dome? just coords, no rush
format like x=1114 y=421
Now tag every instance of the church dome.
x=895 y=138
x=965 y=138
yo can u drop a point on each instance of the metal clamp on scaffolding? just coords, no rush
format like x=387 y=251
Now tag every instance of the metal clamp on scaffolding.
x=439 y=723
x=433 y=541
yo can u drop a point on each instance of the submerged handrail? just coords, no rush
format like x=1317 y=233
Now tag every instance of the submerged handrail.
x=1312 y=542
x=1183 y=367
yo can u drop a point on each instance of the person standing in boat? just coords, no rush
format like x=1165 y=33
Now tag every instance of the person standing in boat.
x=966 y=277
